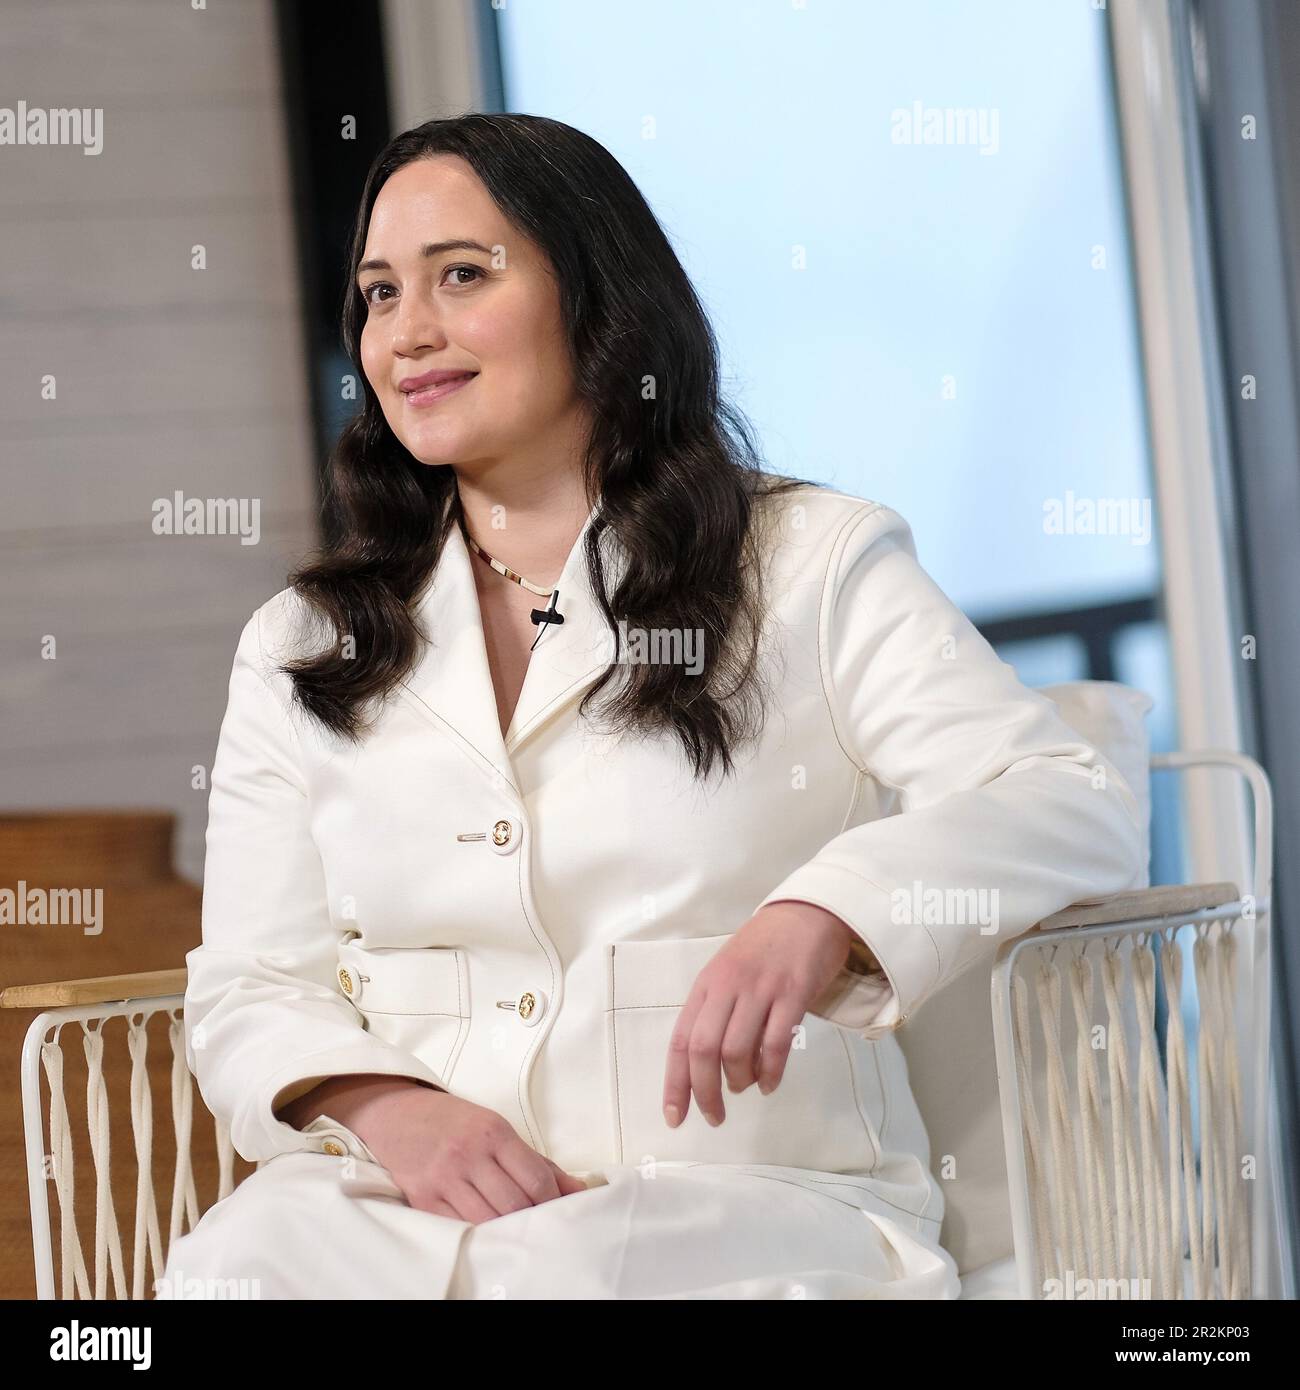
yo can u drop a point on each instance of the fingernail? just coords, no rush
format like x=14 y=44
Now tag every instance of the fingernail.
x=672 y=1115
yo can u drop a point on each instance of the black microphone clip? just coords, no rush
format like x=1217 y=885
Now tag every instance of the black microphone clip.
x=540 y=616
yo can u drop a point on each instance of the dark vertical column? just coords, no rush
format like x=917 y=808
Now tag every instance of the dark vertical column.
x=333 y=62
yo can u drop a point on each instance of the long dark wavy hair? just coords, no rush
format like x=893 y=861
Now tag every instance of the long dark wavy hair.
x=677 y=477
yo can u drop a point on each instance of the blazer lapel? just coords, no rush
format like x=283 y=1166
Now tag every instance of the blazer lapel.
x=570 y=656
x=452 y=681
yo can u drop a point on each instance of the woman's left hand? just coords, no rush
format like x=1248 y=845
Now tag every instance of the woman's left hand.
x=741 y=1013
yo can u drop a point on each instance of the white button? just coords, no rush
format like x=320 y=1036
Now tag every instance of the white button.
x=505 y=834
x=531 y=1007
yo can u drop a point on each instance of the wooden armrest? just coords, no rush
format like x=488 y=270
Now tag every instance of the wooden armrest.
x=1137 y=903
x=102 y=989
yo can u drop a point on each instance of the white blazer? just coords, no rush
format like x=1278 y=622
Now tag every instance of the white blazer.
x=520 y=920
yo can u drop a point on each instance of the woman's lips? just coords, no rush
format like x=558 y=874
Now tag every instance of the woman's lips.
x=426 y=395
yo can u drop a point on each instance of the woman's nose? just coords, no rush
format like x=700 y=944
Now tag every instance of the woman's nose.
x=417 y=327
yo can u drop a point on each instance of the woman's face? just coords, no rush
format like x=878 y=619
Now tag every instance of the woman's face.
x=491 y=309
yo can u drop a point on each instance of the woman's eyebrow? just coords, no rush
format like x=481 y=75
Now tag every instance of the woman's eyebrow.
x=431 y=248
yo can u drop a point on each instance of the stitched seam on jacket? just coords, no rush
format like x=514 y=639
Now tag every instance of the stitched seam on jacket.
x=413 y=1013
x=823 y=654
x=857 y=1100
x=535 y=721
x=833 y=560
x=296 y=757
x=552 y=1004
x=934 y=1192
x=886 y=1095
x=454 y=1056
x=404 y=692
x=612 y=1012
x=872 y=1192
x=905 y=1211
x=845 y=869
x=625 y=1007
x=299 y=1075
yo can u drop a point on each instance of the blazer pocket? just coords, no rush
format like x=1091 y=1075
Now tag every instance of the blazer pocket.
x=818 y=1117
x=414 y=997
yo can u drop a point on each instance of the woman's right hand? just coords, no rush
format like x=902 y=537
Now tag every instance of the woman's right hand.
x=450 y=1156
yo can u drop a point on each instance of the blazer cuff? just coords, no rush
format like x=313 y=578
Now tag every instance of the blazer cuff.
x=288 y=1094
x=333 y=1136
x=877 y=1003
x=270 y=1137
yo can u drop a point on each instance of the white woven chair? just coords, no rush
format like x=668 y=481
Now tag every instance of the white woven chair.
x=1117 y=1190
x=96 y=1011
x=1107 y=1193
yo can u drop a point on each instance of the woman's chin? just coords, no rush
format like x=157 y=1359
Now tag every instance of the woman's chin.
x=437 y=453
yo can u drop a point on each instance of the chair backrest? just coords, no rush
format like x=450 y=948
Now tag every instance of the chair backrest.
x=1167 y=1190
x=1124 y=1183
x=90 y=1134
x=949 y=1045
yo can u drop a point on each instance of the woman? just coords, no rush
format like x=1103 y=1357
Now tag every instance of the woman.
x=478 y=955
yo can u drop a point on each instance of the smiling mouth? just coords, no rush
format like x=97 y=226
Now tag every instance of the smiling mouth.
x=426 y=395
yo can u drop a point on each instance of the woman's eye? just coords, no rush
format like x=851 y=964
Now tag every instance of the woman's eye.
x=368 y=293
x=456 y=270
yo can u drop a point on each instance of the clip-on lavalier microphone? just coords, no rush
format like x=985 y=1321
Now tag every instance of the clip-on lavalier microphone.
x=541 y=616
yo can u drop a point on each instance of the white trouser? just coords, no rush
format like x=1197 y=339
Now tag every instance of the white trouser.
x=294 y=1230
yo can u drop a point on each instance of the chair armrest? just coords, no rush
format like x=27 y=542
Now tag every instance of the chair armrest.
x=1133 y=906
x=101 y=989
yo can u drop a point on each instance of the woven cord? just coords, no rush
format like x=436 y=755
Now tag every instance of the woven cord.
x=146 y=1200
